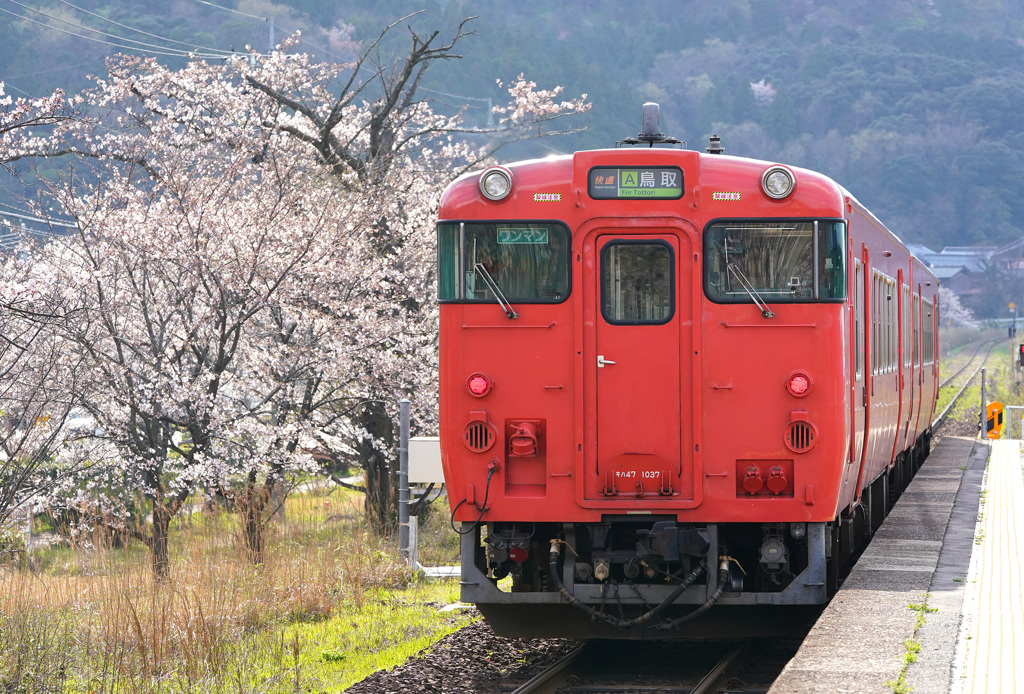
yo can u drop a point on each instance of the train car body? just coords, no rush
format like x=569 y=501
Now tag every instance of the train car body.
x=667 y=382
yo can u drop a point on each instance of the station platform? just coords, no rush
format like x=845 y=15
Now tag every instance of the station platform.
x=935 y=604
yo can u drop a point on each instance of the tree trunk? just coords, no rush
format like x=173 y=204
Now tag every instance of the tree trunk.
x=252 y=504
x=381 y=481
x=378 y=493
x=158 y=545
x=277 y=498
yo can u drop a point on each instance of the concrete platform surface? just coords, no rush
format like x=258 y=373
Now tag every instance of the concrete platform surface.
x=859 y=644
x=992 y=640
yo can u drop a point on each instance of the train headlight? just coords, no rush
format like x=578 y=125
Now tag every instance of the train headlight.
x=496 y=183
x=778 y=182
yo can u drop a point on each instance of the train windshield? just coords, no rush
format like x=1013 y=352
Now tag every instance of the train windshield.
x=528 y=262
x=781 y=261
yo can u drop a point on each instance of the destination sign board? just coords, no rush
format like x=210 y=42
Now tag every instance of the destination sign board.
x=635 y=182
x=515 y=235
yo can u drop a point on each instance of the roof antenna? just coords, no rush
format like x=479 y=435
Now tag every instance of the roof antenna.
x=650 y=129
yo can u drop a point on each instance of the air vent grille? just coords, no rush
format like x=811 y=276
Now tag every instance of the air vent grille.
x=480 y=436
x=800 y=436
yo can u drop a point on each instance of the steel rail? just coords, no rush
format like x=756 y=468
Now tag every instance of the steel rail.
x=713 y=679
x=968 y=362
x=549 y=680
x=559 y=675
x=942 y=415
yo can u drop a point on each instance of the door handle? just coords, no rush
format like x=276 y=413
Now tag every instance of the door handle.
x=601 y=361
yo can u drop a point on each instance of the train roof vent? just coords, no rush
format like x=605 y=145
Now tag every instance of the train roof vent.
x=800 y=436
x=650 y=129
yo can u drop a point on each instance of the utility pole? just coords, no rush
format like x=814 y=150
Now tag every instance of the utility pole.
x=983 y=417
x=404 y=544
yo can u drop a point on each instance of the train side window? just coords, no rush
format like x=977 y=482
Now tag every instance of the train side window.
x=909 y=322
x=876 y=352
x=831 y=260
x=916 y=319
x=890 y=324
x=929 y=332
x=637 y=282
x=858 y=319
x=448 y=288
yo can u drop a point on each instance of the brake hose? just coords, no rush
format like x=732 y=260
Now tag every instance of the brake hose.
x=647 y=616
x=723 y=582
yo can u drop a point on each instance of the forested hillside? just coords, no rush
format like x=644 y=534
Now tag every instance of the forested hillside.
x=914 y=105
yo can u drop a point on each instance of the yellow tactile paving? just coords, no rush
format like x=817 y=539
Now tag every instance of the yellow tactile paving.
x=995 y=643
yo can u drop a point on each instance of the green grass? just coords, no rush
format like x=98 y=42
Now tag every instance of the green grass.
x=380 y=635
x=912 y=646
x=330 y=605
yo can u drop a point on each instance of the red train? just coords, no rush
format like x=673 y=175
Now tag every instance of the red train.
x=671 y=380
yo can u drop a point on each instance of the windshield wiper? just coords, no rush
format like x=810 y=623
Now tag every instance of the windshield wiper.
x=745 y=285
x=495 y=289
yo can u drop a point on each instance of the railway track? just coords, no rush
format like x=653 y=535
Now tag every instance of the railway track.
x=977 y=365
x=602 y=667
x=626 y=667
x=977 y=348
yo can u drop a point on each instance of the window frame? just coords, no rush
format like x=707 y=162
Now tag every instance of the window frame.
x=460 y=271
x=858 y=320
x=672 y=279
x=775 y=299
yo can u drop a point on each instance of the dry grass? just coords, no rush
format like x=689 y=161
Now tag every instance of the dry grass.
x=94 y=619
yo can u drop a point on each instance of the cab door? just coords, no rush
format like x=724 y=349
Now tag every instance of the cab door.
x=641 y=368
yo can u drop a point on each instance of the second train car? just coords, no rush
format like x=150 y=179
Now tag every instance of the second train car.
x=671 y=380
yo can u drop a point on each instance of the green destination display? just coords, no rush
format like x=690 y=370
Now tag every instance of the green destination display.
x=661 y=182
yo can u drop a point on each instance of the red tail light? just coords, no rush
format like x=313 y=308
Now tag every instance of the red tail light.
x=479 y=385
x=799 y=384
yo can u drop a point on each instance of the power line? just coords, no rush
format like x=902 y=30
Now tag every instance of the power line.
x=458 y=96
x=321 y=49
x=8 y=85
x=11 y=236
x=56 y=69
x=102 y=33
x=139 y=31
x=229 y=9
x=178 y=54
x=37 y=220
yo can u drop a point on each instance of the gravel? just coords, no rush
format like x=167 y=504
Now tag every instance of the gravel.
x=471 y=661
x=952 y=427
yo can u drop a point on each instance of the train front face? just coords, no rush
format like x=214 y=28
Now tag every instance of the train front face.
x=643 y=364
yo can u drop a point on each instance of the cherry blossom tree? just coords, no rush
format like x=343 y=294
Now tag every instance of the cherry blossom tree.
x=34 y=400
x=179 y=273
x=21 y=120
x=35 y=403
x=375 y=134
x=257 y=246
x=951 y=310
